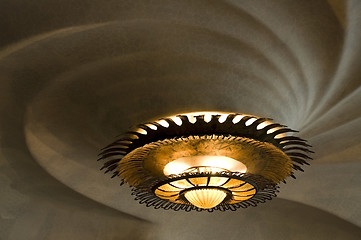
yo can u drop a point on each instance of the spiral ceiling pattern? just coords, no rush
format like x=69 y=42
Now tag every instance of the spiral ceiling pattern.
x=74 y=74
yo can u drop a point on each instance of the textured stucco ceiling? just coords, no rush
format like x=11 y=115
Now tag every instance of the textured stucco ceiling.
x=74 y=74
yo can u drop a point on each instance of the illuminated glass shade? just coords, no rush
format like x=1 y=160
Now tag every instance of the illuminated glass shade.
x=212 y=161
x=206 y=191
x=205 y=198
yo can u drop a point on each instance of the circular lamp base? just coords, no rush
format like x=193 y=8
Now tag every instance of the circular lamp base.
x=243 y=190
x=206 y=161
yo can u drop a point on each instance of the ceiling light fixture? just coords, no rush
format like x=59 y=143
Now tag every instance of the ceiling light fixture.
x=206 y=160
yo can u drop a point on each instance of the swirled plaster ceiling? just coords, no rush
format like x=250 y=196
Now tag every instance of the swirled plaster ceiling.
x=74 y=74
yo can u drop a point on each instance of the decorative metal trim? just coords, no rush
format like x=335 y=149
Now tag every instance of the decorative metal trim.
x=144 y=163
x=294 y=147
x=265 y=191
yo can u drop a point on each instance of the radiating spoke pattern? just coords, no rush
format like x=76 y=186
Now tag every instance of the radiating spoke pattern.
x=75 y=74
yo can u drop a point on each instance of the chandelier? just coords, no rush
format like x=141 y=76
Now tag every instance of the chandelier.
x=205 y=161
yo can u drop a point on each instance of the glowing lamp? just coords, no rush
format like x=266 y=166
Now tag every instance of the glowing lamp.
x=205 y=161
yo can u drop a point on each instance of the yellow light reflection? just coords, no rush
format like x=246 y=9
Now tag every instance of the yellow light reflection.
x=208 y=163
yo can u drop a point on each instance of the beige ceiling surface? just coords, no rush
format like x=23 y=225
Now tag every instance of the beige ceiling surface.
x=74 y=74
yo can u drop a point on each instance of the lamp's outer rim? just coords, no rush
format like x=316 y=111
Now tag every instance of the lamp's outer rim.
x=260 y=158
x=276 y=134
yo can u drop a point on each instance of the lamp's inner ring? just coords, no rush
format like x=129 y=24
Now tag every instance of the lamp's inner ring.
x=236 y=187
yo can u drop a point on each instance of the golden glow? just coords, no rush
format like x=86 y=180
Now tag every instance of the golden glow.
x=177 y=120
x=237 y=118
x=223 y=116
x=207 y=118
x=182 y=184
x=205 y=163
x=199 y=181
x=240 y=190
x=217 y=181
x=151 y=126
x=207 y=115
x=164 y=123
x=205 y=198
x=142 y=131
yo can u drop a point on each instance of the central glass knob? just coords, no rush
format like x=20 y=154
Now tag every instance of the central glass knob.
x=205 y=198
